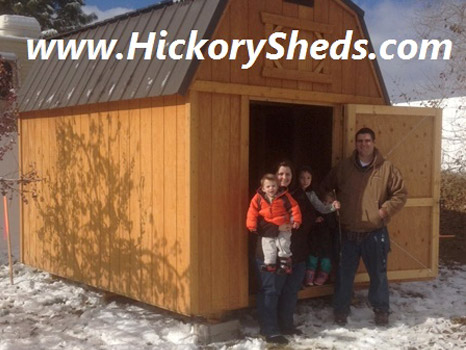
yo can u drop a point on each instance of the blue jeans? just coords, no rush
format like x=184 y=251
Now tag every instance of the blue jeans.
x=277 y=298
x=373 y=250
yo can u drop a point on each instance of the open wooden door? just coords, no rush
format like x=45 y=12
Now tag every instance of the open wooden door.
x=411 y=139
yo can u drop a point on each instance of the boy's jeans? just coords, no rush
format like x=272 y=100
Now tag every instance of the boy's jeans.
x=373 y=249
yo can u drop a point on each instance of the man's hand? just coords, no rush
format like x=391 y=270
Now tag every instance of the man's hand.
x=295 y=225
x=383 y=213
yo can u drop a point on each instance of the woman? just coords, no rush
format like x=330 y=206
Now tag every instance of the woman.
x=278 y=294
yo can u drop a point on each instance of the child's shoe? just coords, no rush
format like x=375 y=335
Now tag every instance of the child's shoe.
x=310 y=275
x=321 y=278
x=285 y=266
x=269 y=267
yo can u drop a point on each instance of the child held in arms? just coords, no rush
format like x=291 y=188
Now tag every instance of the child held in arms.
x=276 y=206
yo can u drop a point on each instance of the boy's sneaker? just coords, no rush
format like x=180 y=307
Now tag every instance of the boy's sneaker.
x=321 y=278
x=310 y=275
x=381 y=317
x=285 y=266
x=269 y=267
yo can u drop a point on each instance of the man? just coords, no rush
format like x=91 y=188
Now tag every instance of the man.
x=371 y=190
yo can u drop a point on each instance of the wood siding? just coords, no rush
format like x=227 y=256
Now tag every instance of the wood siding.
x=339 y=81
x=113 y=208
x=219 y=187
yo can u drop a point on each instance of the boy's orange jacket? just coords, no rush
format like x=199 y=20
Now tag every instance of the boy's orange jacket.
x=283 y=210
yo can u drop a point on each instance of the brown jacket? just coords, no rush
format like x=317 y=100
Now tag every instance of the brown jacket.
x=363 y=191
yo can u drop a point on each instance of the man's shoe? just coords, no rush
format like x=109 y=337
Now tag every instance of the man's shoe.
x=381 y=317
x=276 y=339
x=341 y=319
x=292 y=331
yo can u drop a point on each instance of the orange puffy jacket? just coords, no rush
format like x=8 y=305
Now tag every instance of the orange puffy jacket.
x=282 y=210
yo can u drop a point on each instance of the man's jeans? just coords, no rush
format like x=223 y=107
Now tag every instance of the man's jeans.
x=277 y=298
x=373 y=249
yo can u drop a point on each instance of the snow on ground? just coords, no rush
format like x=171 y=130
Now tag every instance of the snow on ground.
x=41 y=312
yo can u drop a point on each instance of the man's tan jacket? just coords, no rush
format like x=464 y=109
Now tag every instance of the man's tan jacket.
x=362 y=191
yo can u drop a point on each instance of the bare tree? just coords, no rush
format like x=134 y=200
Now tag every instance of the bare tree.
x=446 y=19
x=9 y=184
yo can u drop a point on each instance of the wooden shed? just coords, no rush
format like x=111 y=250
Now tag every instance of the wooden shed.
x=149 y=165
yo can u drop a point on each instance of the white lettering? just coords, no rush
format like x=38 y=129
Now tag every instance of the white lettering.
x=148 y=46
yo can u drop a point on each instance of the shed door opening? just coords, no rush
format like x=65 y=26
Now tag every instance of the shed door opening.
x=301 y=134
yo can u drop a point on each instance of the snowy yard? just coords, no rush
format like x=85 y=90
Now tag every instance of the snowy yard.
x=41 y=312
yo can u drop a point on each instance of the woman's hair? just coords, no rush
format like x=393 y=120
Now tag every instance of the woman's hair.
x=306 y=169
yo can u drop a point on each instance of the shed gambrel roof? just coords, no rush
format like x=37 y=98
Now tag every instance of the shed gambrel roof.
x=57 y=83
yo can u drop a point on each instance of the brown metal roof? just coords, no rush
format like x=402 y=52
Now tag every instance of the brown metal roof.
x=57 y=83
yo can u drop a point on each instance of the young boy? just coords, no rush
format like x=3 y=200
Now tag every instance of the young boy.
x=275 y=205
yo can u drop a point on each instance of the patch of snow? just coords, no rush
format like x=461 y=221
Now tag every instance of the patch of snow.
x=111 y=89
x=71 y=92
x=164 y=81
x=40 y=312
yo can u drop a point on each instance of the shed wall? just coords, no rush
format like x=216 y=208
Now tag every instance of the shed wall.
x=219 y=163
x=112 y=210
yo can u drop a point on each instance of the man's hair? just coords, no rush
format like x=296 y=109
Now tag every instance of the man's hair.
x=365 y=131
x=270 y=177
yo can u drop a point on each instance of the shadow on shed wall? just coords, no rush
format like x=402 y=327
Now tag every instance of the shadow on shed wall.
x=89 y=230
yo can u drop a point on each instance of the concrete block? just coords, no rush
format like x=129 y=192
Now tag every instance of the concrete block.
x=217 y=332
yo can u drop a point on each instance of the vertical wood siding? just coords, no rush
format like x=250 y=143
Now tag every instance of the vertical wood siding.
x=220 y=137
x=113 y=208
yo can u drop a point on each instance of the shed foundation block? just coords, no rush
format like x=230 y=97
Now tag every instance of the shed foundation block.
x=217 y=332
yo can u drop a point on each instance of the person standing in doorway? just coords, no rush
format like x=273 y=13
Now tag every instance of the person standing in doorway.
x=278 y=293
x=371 y=190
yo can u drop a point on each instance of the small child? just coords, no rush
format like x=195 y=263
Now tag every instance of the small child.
x=275 y=205
x=320 y=235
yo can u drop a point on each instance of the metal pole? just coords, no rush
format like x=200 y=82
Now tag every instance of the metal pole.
x=7 y=232
x=339 y=228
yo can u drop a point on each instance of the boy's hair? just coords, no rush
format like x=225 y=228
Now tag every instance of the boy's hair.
x=365 y=131
x=270 y=177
